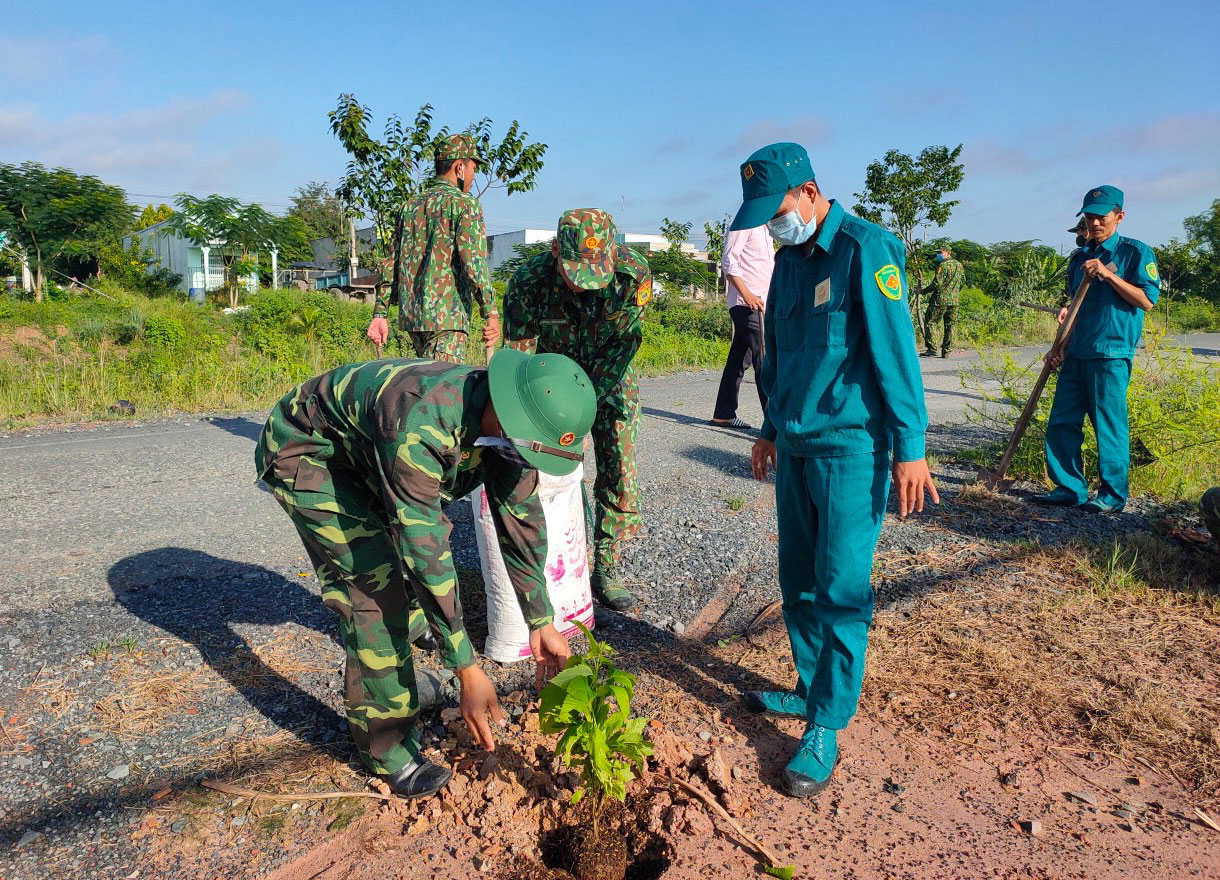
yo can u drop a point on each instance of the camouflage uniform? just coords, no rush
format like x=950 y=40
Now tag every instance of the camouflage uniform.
x=600 y=329
x=442 y=266
x=943 y=302
x=363 y=459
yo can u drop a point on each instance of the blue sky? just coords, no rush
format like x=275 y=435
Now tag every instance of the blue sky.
x=647 y=109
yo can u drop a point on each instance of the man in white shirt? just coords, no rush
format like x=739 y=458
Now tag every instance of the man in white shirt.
x=748 y=261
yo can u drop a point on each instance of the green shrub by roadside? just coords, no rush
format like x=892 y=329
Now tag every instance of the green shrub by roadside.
x=1174 y=406
x=71 y=357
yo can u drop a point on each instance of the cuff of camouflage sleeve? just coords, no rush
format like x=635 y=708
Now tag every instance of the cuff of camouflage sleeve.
x=460 y=658
x=539 y=622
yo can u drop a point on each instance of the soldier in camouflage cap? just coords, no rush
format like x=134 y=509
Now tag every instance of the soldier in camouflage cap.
x=363 y=459
x=442 y=258
x=586 y=299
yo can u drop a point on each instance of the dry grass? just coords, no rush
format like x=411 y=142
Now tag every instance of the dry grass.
x=143 y=702
x=1117 y=647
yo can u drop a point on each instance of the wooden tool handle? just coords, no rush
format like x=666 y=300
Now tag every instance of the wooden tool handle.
x=1057 y=348
x=489 y=351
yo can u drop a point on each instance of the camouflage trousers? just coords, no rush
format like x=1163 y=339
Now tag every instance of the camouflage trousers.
x=1210 y=508
x=939 y=310
x=617 y=486
x=349 y=544
x=440 y=345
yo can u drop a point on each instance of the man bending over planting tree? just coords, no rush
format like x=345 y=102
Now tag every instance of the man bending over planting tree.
x=363 y=459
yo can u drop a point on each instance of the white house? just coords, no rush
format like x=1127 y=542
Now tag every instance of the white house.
x=201 y=267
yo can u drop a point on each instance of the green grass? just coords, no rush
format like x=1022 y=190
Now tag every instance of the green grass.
x=69 y=359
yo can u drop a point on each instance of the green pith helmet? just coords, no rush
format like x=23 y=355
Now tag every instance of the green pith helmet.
x=545 y=404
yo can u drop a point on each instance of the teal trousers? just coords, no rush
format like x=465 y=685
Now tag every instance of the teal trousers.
x=829 y=512
x=1096 y=388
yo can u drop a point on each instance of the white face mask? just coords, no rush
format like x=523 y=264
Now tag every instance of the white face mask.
x=791 y=228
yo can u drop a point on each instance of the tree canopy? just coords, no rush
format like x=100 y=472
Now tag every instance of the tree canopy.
x=56 y=215
x=383 y=175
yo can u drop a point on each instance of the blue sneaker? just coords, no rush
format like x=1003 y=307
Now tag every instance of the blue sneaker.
x=776 y=703
x=808 y=773
x=1059 y=497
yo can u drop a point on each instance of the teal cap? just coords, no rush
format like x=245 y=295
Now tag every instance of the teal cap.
x=1101 y=200
x=766 y=178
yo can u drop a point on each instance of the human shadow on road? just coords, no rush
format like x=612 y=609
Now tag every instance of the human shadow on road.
x=238 y=427
x=735 y=463
x=200 y=598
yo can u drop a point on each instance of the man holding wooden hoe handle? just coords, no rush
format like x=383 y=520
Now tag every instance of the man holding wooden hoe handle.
x=1120 y=283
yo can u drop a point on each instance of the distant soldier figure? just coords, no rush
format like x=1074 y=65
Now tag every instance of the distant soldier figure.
x=364 y=458
x=442 y=263
x=944 y=296
x=586 y=299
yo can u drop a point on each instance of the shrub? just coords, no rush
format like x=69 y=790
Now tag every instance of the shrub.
x=164 y=331
x=91 y=330
x=129 y=329
x=1194 y=313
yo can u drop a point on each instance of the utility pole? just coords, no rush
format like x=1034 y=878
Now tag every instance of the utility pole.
x=353 y=262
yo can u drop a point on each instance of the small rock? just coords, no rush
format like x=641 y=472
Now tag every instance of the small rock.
x=178 y=827
x=1123 y=814
x=899 y=807
x=1032 y=827
x=238 y=822
x=679 y=627
x=737 y=774
x=891 y=787
x=28 y=838
x=490 y=763
x=126 y=407
x=450 y=715
x=705 y=735
x=1083 y=797
x=1009 y=778
x=21 y=762
x=122 y=771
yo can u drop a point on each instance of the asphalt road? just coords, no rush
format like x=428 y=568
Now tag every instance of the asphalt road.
x=76 y=502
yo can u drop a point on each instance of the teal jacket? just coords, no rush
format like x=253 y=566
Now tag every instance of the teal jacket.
x=1108 y=326
x=840 y=369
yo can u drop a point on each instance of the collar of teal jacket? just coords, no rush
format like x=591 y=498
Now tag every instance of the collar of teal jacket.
x=1109 y=246
x=829 y=226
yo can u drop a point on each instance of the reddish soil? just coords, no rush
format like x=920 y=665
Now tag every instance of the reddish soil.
x=903 y=806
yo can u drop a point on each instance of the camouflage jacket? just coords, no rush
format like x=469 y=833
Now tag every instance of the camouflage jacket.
x=443 y=273
x=950 y=276
x=406 y=429
x=601 y=329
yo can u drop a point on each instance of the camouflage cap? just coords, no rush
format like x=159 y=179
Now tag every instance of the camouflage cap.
x=458 y=146
x=586 y=239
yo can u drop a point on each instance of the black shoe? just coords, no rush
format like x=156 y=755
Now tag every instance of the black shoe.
x=928 y=353
x=609 y=592
x=418 y=780
x=425 y=641
x=1098 y=506
x=944 y=354
x=1059 y=497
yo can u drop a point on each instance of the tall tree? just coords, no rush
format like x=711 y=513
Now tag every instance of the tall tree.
x=383 y=175
x=716 y=233
x=320 y=210
x=151 y=216
x=902 y=193
x=237 y=231
x=1203 y=233
x=55 y=215
x=675 y=268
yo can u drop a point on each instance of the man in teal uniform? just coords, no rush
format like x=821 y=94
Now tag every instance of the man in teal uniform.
x=1096 y=369
x=841 y=375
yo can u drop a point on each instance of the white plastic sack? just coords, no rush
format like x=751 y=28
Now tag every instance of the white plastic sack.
x=567 y=568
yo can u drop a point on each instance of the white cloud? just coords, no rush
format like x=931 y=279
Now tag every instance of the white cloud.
x=193 y=143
